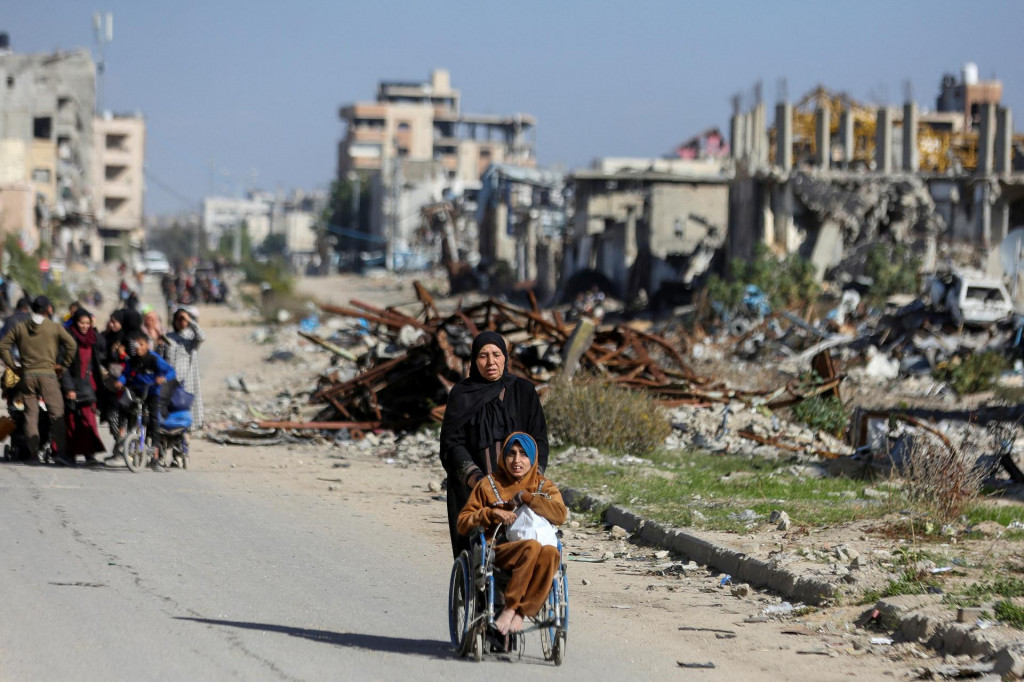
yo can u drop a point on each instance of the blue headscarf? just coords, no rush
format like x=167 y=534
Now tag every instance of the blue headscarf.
x=526 y=442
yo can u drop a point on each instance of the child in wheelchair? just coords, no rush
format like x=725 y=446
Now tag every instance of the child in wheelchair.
x=517 y=485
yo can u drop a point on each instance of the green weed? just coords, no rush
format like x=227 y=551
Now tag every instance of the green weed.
x=1010 y=613
x=972 y=374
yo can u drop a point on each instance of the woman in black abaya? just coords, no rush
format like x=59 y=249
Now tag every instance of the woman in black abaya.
x=483 y=409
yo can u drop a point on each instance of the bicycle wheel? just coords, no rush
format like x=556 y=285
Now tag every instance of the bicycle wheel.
x=133 y=451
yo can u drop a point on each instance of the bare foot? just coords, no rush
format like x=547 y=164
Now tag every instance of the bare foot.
x=504 y=621
x=517 y=623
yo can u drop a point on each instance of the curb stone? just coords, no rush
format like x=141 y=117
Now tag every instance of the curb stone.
x=742 y=567
x=904 y=615
x=897 y=613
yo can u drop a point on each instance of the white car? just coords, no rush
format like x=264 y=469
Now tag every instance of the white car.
x=155 y=262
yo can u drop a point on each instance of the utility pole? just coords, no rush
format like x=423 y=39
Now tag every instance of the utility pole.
x=103 y=28
x=389 y=253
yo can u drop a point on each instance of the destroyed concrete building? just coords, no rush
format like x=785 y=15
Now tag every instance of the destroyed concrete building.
x=832 y=175
x=521 y=217
x=646 y=225
x=414 y=145
x=46 y=148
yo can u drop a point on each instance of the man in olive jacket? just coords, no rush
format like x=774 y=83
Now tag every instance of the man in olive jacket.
x=40 y=342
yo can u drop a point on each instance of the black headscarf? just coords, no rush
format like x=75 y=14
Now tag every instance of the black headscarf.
x=476 y=394
x=110 y=336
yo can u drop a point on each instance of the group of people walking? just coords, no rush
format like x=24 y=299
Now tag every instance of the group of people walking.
x=79 y=371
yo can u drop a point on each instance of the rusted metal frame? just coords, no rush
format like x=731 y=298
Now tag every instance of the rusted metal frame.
x=778 y=443
x=451 y=360
x=317 y=426
x=323 y=343
x=342 y=410
x=369 y=317
x=798 y=396
x=645 y=358
x=673 y=353
x=536 y=317
x=399 y=317
x=559 y=321
x=691 y=402
x=470 y=325
x=926 y=427
x=368 y=375
x=825 y=368
x=610 y=354
x=425 y=298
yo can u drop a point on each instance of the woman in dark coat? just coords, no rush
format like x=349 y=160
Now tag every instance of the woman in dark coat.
x=83 y=384
x=482 y=410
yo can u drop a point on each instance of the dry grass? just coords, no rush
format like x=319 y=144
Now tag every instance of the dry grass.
x=592 y=413
x=940 y=480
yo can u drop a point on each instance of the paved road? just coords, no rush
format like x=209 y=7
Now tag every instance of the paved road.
x=109 y=575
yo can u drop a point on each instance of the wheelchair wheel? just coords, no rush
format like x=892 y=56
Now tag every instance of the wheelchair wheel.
x=554 y=620
x=462 y=609
x=478 y=645
x=134 y=453
x=558 y=649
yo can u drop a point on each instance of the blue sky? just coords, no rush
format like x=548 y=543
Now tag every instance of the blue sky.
x=254 y=88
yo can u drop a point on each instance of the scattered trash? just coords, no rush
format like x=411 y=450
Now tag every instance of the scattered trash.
x=885 y=641
x=746 y=516
x=778 y=609
x=726 y=579
x=696 y=666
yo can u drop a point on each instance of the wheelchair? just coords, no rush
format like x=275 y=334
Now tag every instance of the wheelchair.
x=475 y=596
x=172 y=439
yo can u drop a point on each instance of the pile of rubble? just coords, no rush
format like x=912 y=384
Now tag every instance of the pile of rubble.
x=407 y=362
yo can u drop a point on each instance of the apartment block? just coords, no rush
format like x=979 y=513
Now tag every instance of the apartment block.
x=424 y=122
x=119 y=181
x=46 y=144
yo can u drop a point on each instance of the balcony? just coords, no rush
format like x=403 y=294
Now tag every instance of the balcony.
x=367 y=135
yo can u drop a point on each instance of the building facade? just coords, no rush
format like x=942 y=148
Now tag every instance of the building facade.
x=119 y=181
x=46 y=142
x=414 y=145
x=646 y=225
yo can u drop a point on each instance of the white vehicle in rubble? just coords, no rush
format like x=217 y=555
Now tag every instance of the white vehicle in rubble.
x=971 y=299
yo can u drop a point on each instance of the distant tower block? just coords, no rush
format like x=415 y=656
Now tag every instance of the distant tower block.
x=846 y=133
x=784 y=135
x=883 y=141
x=1003 y=144
x=910 y=154
x=823 y=136
x=738 y=134
x=986 y=140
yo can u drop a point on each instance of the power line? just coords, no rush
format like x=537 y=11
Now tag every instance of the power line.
x=167 y=188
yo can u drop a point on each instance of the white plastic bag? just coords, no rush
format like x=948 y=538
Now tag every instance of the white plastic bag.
x=530 y=525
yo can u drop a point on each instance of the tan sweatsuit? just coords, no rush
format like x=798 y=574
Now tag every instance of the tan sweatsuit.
x=532 y=565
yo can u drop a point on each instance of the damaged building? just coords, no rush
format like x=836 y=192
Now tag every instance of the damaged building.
x=414 y=146
x=833 y=175
x=47 y=149
x=646 y=227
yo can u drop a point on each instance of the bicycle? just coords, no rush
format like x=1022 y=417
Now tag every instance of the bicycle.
x=133 y=443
